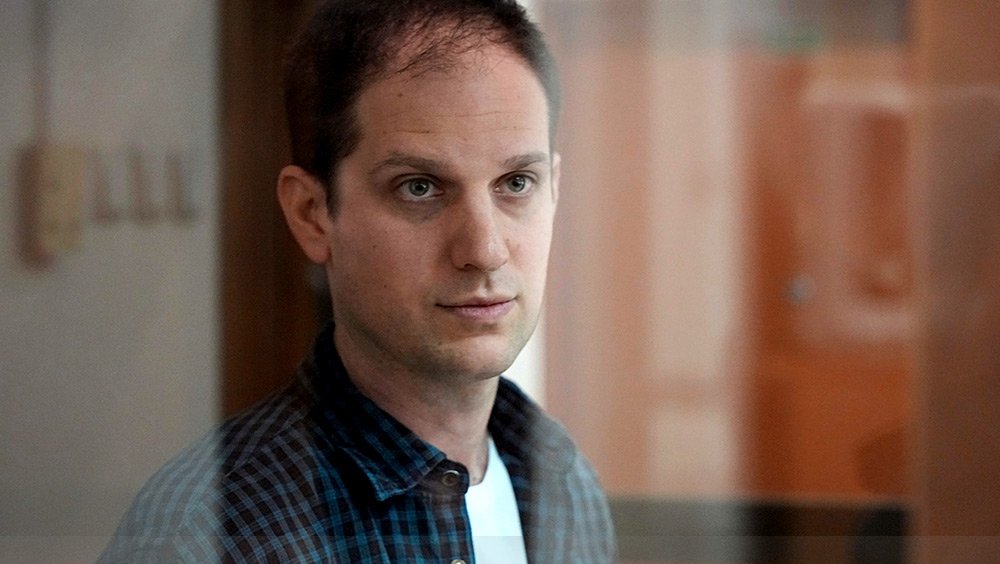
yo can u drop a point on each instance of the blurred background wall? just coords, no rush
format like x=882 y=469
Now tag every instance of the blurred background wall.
x=773 y=282
x=734 y=248
x=109 y=361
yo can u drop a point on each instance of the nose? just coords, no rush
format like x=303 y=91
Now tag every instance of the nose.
x=479 y=241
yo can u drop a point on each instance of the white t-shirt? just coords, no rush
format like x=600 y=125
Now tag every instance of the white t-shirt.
x=497 y=537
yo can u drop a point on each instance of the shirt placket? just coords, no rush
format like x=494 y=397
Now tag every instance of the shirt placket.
x=444 y=489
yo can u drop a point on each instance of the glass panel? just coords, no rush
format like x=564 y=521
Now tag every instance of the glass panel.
x=772 y=308
x=108 y=287
x=732 y=311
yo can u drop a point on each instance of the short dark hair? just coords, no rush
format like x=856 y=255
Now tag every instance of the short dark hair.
x=349 y=44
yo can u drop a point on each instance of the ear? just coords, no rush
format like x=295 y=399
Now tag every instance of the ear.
x=303 y=201
x=556 y=172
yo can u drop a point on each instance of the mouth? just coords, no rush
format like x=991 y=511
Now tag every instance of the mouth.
x=486 y=310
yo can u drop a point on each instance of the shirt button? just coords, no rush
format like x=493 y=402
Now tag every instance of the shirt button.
x=450 y=479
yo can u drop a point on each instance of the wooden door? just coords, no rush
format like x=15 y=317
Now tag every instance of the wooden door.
x=828 y=138
x=957 y=175
x=269 y=312
x=731 y=307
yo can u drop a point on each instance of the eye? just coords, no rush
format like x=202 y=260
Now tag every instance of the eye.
x=518 y=184
x=418 y=189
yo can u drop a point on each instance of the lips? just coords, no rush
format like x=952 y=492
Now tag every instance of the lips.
x=486 y=309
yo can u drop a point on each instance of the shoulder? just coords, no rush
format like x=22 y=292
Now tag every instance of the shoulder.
x=213 y=490
x=564 y=487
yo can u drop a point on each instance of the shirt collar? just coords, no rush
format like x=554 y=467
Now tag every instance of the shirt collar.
x=525 y=435
x=392 y=457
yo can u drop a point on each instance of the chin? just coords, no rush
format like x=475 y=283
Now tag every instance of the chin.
x=485 y=368
x=479 y=362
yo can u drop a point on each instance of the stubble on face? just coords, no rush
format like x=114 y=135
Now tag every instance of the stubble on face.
x=411 y=279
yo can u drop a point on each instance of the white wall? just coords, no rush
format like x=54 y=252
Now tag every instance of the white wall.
x=108 y=356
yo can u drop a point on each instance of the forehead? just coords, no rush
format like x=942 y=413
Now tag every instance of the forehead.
x=484 y=98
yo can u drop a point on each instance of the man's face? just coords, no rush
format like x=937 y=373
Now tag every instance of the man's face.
x=440 y=242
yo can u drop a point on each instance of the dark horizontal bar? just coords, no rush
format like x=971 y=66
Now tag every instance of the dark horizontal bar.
x=666 y=530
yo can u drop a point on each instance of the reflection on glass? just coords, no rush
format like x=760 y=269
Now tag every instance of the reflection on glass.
x=735 y=260
x=771 y=313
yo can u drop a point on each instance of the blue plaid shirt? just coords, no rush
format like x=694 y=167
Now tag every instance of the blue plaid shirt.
x=319 y=473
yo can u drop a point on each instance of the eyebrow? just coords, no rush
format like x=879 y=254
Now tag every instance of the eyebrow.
x=402 y=160
x=527 y=159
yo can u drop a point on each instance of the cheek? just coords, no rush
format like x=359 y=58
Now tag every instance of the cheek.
x=387 y=262
x=539 y=232
x=533 y=250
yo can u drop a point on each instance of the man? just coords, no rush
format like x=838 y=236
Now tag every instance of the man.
x=425 y=183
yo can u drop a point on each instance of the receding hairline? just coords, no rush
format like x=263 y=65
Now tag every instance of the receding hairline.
x=430 y=45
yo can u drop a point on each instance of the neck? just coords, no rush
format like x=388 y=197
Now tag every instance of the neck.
x=450 y=413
